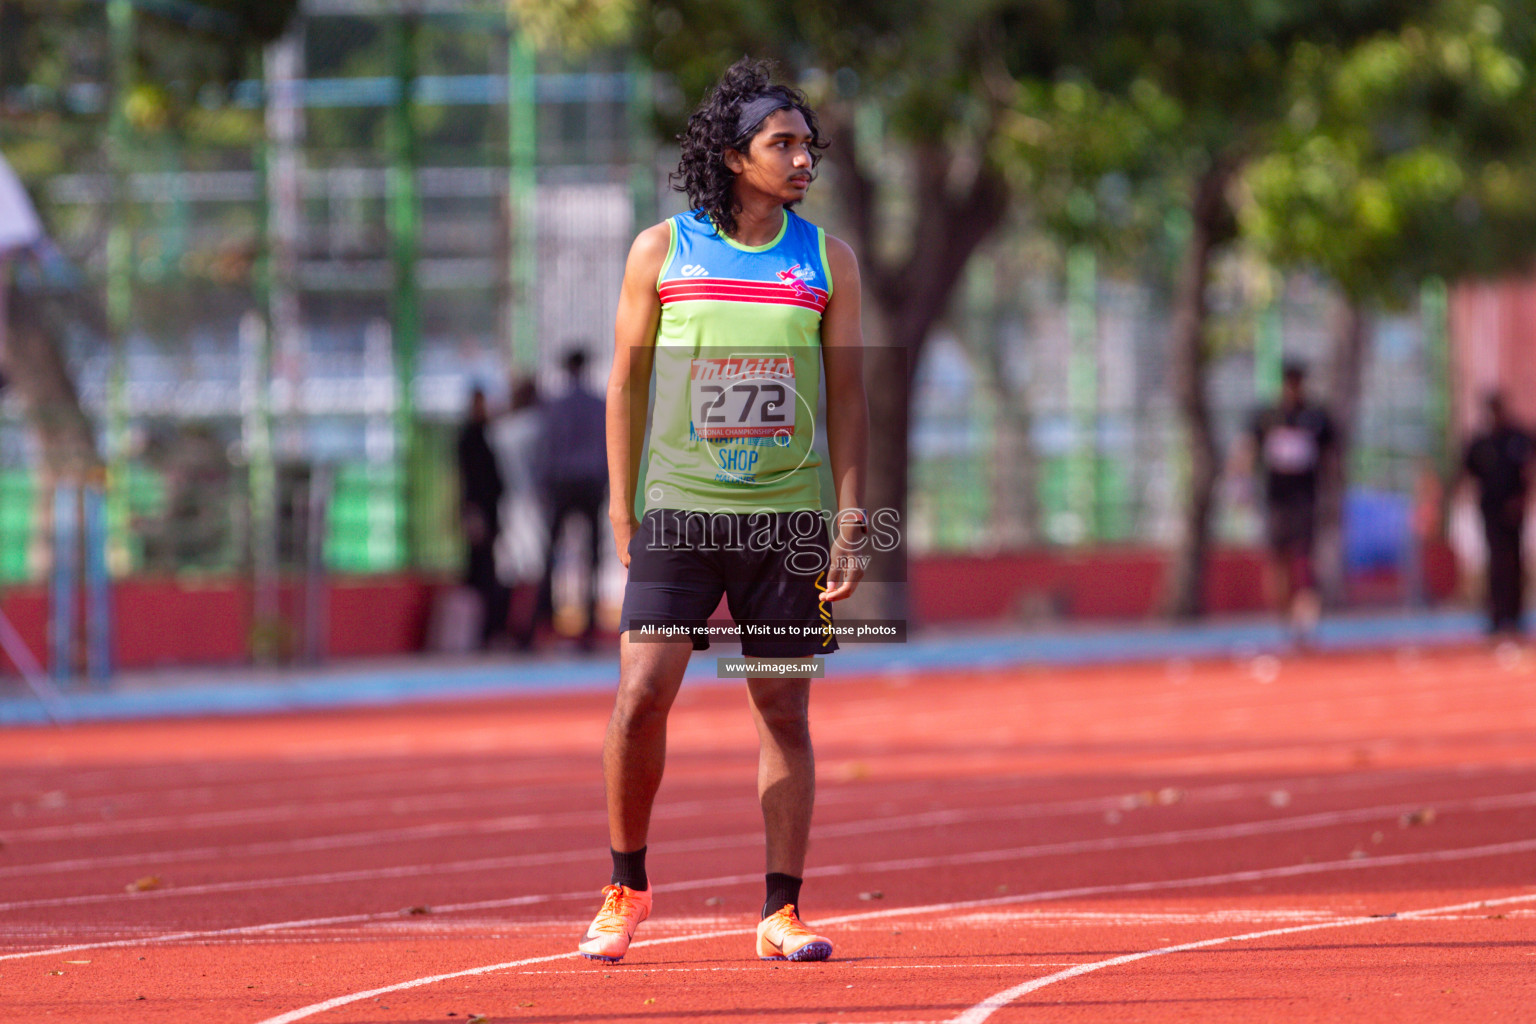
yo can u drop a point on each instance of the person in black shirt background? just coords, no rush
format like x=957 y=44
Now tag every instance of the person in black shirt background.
x=1290 y=442
x=480 y=490
x=1500 y=460
x=573 y=471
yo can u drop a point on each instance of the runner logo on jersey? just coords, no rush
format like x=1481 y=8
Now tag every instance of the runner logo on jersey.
x=796 y=277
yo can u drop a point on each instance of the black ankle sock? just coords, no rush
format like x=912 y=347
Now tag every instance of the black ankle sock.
x=782 y=889
x=629 y=869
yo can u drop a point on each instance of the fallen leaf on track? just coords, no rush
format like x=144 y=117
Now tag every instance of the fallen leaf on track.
x=416 y=911
x=1422 y=816
x=875 y=894
x=144 y=884
x=853 y=771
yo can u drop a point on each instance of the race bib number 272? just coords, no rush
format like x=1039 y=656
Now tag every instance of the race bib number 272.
x=743 y=396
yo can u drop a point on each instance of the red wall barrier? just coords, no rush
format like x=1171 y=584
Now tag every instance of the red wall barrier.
x=1115 y=583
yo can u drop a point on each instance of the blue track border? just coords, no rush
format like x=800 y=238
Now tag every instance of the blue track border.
x=224 y=692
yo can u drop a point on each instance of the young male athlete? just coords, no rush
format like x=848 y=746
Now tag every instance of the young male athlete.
x=737 y=309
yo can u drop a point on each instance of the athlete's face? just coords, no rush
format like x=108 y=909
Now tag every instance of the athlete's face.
x=778 y=161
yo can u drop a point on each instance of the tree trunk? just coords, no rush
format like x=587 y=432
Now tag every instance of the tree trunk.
x=903 y=301
x=35 y=366
x=1015 y=476
x=1210 y=215
x=1351 y=345
x=887 y=376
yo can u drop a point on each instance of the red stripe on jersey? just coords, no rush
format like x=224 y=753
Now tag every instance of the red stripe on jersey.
x=780 y=300
x=768 y=286
x=729 y=290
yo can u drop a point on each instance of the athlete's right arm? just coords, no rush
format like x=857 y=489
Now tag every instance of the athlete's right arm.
x=629 y=382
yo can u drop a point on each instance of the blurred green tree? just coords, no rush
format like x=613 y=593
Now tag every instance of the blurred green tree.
x=64 y=86
x=1176 y=97
x=928 y=103
x=1410 y=156
x=912 y=93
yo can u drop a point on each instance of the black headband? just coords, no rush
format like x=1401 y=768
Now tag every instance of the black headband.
x=754 y=111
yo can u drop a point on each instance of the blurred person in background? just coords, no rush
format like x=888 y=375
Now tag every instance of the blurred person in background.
x=573 y=472
x=1500 y=460
x=480 y=491
x=515 y=438
x=1290 y=442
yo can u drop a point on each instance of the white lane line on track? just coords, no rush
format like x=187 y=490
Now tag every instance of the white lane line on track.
x=1258 y=874
x=1325 y=819
x=1108 y=844
x=539 y=822
x=361 y=778
x=506 y=791
x=285 y=812
x=1446 y=680
x=277 y=926
x=19 y=837
x=840 y=965
x=379 y=786
x=512 y=791
x=1498 y=849
x=833 y=793
x=346 y=840
x=372 y=917
x=987 y=1007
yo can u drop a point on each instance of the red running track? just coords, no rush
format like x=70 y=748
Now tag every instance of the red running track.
x=1323 y=838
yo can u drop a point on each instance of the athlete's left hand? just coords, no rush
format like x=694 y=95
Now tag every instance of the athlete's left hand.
x=846 y=568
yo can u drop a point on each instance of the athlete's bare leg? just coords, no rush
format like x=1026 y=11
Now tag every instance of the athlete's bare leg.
x=1306 y=603
x=1306 y=611
x=635 y=749
x=1277 y=584
x=786 y=769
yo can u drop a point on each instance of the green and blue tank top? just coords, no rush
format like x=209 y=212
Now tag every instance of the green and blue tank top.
x=738 y=370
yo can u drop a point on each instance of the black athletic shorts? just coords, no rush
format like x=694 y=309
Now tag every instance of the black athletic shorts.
x=1291 y=528
x=769 y=565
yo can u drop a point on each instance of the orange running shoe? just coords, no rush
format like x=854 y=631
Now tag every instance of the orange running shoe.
x=609 y=936
x=783 y=936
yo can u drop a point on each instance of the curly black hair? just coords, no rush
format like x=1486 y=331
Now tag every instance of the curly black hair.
x=715 y=127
